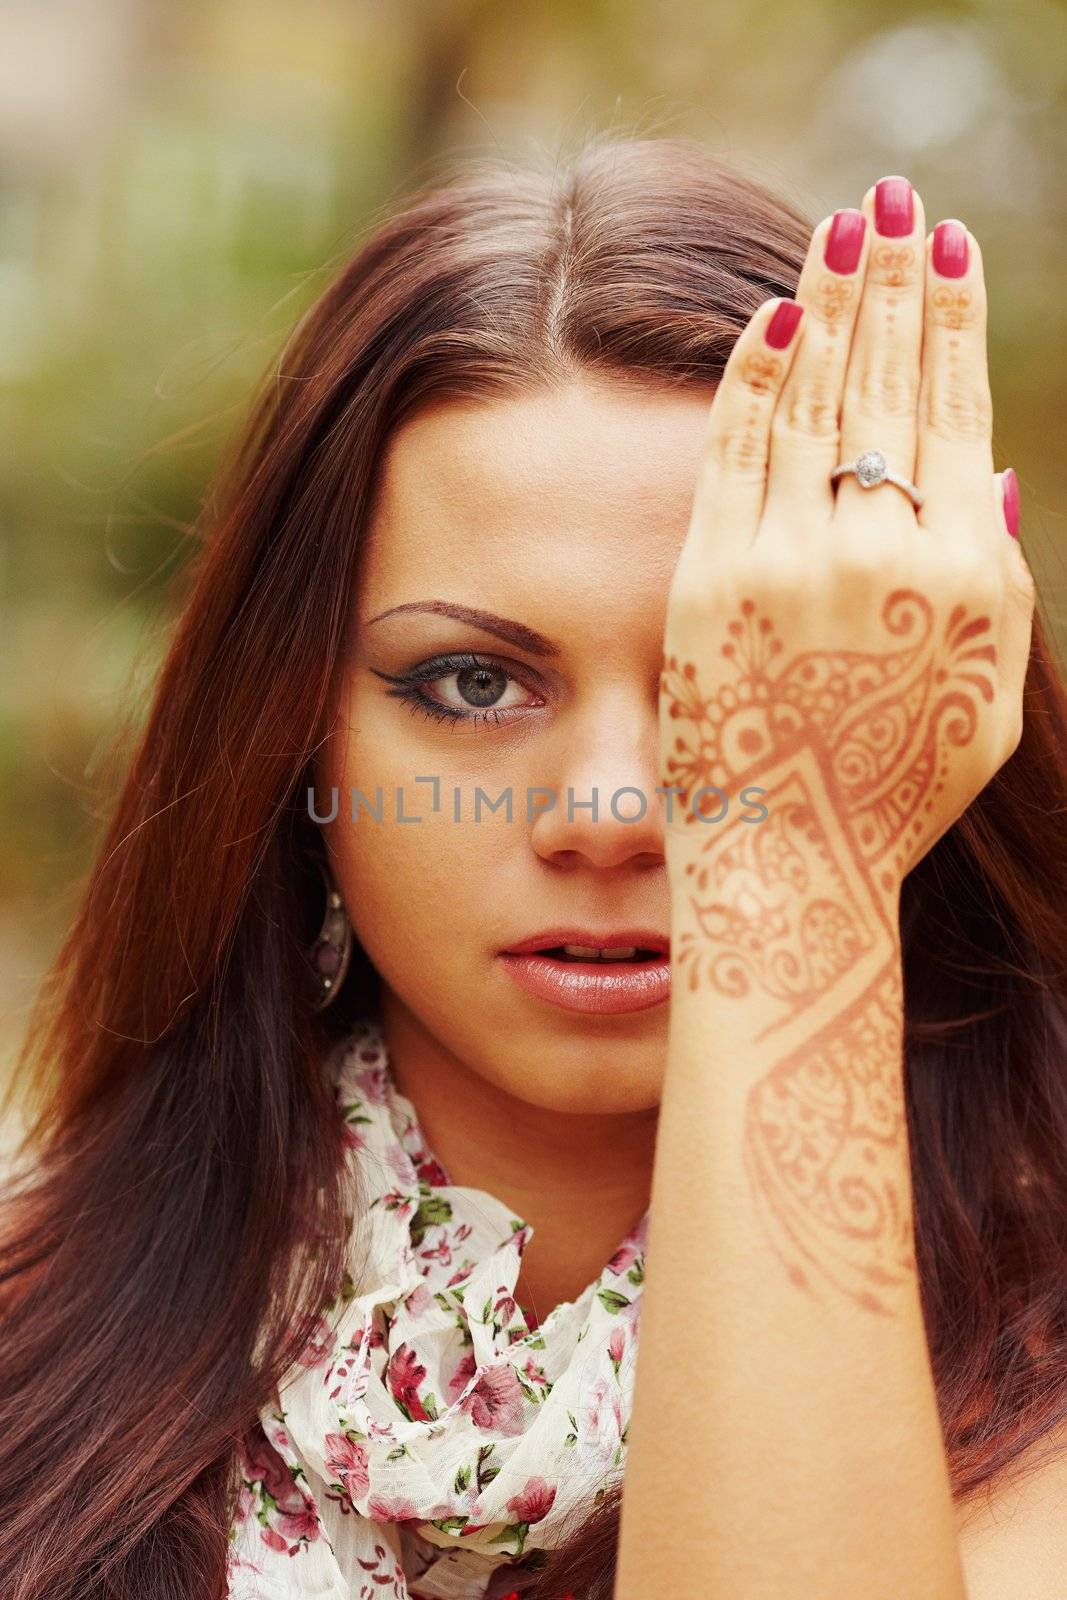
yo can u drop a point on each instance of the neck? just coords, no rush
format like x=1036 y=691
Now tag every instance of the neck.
x=581 y=1180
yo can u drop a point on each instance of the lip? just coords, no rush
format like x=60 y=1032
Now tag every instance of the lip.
x=608 y=939
x=604 y=988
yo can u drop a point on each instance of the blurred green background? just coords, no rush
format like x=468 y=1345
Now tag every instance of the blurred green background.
x=179 y=180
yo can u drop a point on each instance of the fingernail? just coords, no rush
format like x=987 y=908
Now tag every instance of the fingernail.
x=950 y=249
x=844 y=242
x=783 y=324
x=1011 y=501
x=894 y=208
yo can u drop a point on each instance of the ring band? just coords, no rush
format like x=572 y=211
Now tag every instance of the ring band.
x=871 y=469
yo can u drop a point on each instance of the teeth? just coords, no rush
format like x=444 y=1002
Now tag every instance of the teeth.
x=618 y=952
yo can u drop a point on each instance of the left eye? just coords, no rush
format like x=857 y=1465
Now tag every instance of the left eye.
x=480 y=687
x=471 y=688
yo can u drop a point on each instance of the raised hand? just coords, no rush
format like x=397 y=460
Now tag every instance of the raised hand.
x=858 y=666
x=855 y=666
x=859 y=652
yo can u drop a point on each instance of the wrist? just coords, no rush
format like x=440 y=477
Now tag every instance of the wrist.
x=777 y=953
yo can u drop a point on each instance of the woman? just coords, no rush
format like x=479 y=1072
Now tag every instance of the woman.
x=326 y=1274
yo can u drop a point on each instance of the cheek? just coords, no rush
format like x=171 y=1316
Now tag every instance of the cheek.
x=415 y=890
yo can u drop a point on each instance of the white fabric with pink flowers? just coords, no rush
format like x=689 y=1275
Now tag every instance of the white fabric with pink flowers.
x=432 y=1438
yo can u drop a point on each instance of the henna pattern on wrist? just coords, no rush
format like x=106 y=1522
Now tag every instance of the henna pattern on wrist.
x=850 y=749
x=826 y=1148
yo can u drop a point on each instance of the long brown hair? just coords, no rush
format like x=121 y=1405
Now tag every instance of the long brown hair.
x=157 y=1263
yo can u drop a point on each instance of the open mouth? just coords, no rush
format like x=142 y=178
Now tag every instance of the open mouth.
x=593 y=979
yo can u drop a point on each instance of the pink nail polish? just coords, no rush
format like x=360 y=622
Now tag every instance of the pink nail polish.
x=950 y=249
x=1011 y=501
x=844 y=242
x=894 y=208
x=783 y=324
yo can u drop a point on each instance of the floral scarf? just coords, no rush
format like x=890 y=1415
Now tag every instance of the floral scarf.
x=433 y=1441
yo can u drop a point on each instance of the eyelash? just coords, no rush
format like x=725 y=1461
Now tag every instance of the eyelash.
x=443 y=667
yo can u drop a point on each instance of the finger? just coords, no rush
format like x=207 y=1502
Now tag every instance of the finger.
x=1016 y=627
x=805 y=429
x=881 y=396
x=733 y=475
x=1007 y=488
x=955 y=446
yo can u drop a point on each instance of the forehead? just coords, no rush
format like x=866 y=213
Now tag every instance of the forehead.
x=584 y=485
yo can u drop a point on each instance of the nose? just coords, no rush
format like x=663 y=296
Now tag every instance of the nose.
x=602 y=808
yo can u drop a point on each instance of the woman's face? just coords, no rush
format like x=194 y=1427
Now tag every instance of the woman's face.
x=562 y=511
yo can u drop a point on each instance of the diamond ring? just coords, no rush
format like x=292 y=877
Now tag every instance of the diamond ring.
x=871 y=469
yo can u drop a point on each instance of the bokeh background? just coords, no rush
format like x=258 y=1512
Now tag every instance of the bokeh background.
x=179 y=179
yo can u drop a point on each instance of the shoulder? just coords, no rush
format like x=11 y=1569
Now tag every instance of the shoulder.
x=1013 y=1538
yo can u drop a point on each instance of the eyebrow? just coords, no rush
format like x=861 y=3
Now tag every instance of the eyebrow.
x=516 y=633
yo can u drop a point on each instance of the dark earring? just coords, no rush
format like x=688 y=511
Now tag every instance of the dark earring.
x=330 y=954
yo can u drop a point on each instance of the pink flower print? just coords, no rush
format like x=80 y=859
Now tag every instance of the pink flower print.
x=600 y=1422
x=390 y=1508
x=624 y=1258
x=441 y=1252
x=630 y=1317
x=370 y=1080
x=535 y=1501
x=400 y=1162
x=458 y=1503
x=616 y=1346
x=430 y=1171
x=320 y=1346
x=397 y=1200
x=505 y=1309
x=302 y=1524
x=495 y=1402
x=535 y=1373
x=461 y=1377
x=261 y=1463
x=246 y=1501
x=352 y=1138
x=272 y=1540
x=348 y=1460
x=403 y=1375
x=419 y=1301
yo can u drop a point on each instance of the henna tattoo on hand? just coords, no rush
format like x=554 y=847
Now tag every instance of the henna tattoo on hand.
x=873 y=724
x=954 y=308
x=776 y=908
x=761 y=373
x=893 y=265
x=832 y=297
x=825 y=1150
x=850 y=748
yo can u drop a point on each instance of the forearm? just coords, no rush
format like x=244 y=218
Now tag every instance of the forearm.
x=784 y=1439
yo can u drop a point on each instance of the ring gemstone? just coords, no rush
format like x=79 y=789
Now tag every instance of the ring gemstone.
x=871 y=468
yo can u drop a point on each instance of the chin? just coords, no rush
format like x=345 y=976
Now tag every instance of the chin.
x=588 y=1073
